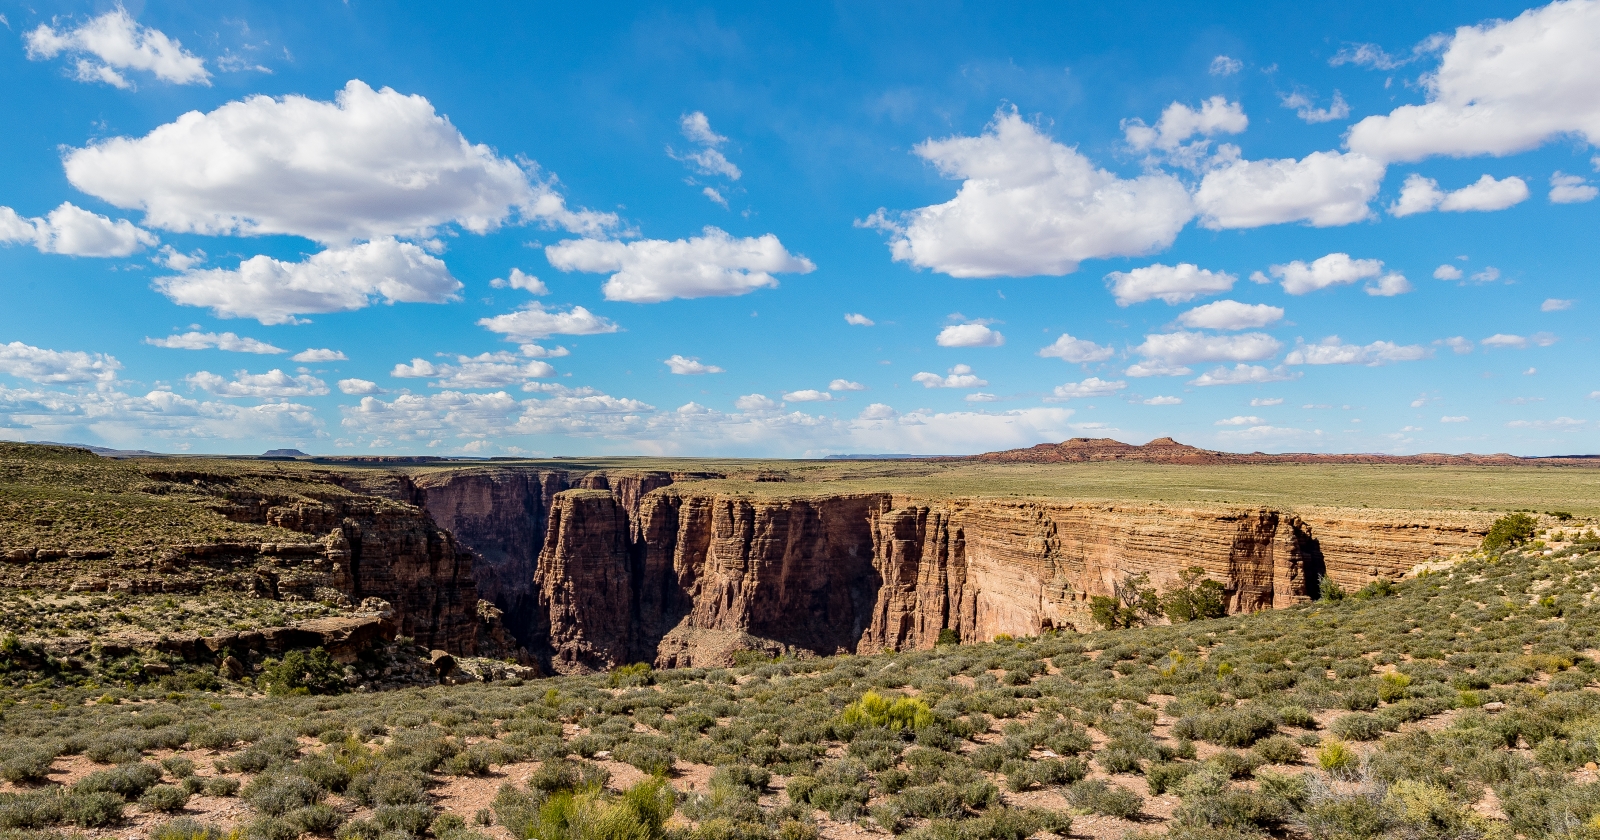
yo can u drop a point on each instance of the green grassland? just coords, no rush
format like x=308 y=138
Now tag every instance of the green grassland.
x=1461 y=704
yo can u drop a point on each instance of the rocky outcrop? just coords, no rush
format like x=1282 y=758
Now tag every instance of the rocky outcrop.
x=692 y=576
x=1165 y=450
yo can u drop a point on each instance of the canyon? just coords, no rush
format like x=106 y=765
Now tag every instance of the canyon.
x=577 y=566
x=603 y=568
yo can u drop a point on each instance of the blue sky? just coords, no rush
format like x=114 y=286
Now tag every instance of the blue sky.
x=743 y=230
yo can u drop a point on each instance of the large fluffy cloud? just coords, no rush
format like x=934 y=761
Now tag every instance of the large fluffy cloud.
x=1184 y=347
x=1179 y=122
x=57 y=367
x=1332 y=351
x=1501 y=87
x=367 y=165
x=114 y=42
x=1299 y=277
x=1029 y=205
x=1231 y=315
x=1420 y=195
x=969 y=335
x=73 y=231
x=533 y=322
x=1324 y=189
x=1170 y=283
x=653 y=270
x=336 y=280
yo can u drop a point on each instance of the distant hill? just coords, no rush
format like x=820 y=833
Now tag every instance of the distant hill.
x=1165 y=450
x=283 y=453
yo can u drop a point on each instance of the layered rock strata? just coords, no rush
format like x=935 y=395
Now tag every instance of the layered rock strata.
x=691 y=577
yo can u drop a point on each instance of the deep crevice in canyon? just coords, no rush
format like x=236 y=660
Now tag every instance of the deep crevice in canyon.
x=597 y=569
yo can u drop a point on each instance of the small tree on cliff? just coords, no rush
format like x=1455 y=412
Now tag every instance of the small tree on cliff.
x=1133 y=603
x=1195 y=597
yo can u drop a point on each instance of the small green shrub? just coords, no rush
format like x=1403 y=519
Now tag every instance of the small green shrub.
x=221 y=786
x=1109 y=800
x=127 y=781
x=185 y=828
x=1162 y=776
x=1337 y=758
x=1277 y=749
x=320 y=819
x=1195 y=597
x=29 y=766
x=164 y=798
x=1359 y=727
x=873 y=709
x=303 y=672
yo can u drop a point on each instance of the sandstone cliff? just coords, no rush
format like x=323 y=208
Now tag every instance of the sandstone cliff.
x=690 y=577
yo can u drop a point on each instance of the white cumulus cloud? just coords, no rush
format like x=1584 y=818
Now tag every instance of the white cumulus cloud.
x=1078 y=350
x=336 y=280
x=1258 y=402
x=1241 y=420
x=689 y=367
x=713 y=264
x=57 y=367
x=1447 y=272
x=367 y=165
x=74 y=232
x=1332 y=351
x=1091 y=387
x=231 y=342
x=1170 y=283
x=1571 y=189
x=1179 y=122
x=1324 y=189
x=1556 y=305
x=1244 y=375
x=1501 y=87
x=1184 y=347
x=359 y=387
x=1299 y=277
x=520 y=280
x=807 y=395
x=114 y=42
x=969 y=335
x=313 y=355
x=856 y=319
x=485 y=370
x=1231 y=315
x=755 y=402
x=1153 y=368
x=1456 y=418
x=1164 y=401
x=533 y=322
x=1420 y=195
x=273 y=383
x=845 y=385
x=960 y=376
x=1029 y=205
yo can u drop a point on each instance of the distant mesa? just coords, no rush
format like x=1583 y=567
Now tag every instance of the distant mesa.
x=284 y=453
x=888 y=456
x=1165 y=450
